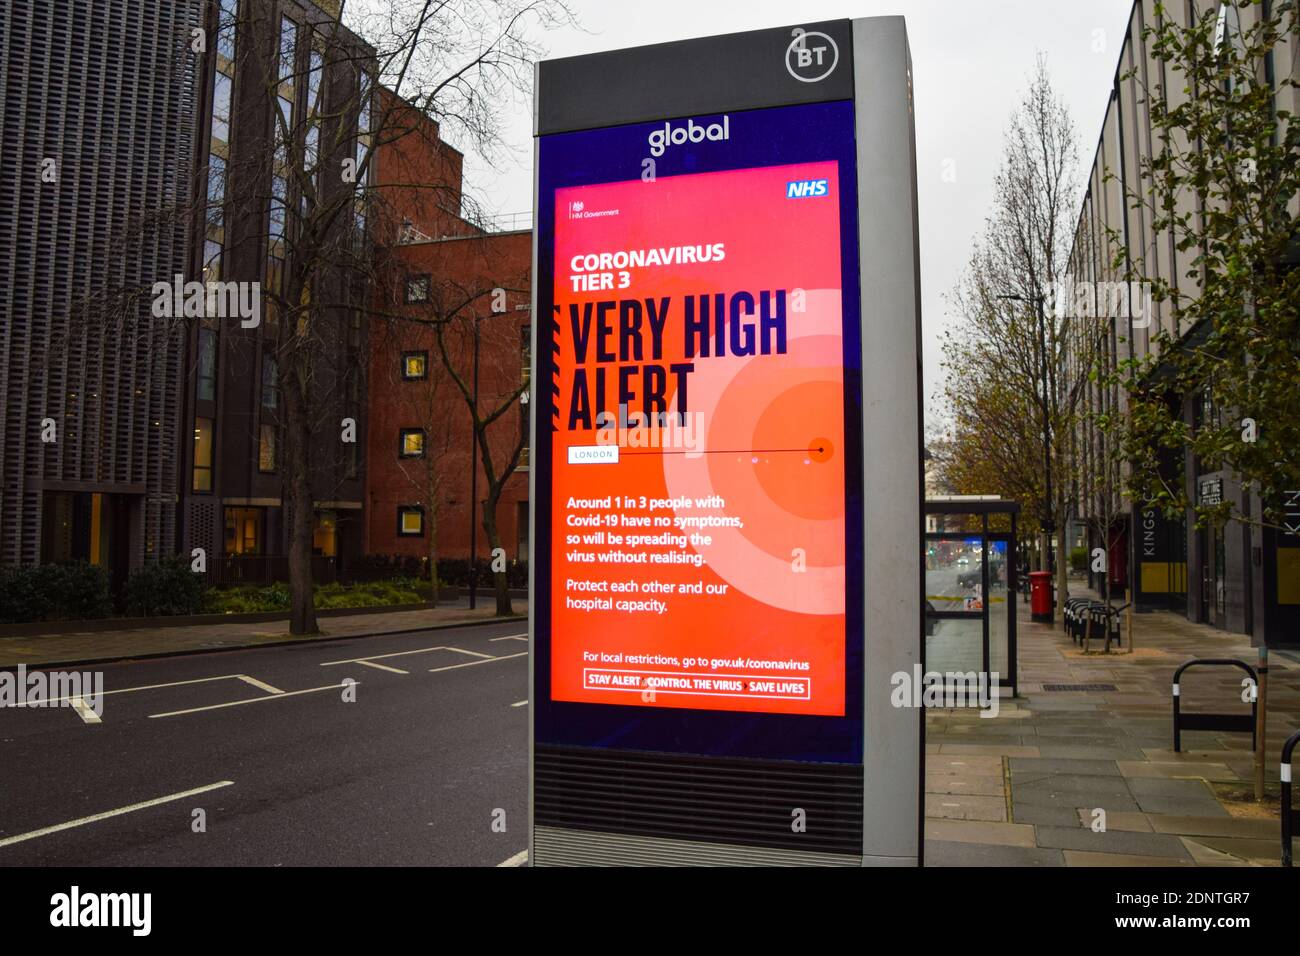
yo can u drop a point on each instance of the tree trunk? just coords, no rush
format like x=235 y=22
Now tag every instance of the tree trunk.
x=432 y=521
x=501 y=584
x=302 y=607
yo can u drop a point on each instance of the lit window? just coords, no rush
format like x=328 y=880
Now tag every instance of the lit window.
x=415 y=365
x=243 y=530
x=266 y=448
x=417 y=289
x=202 y=454
x=412 y=444
x=410 y=521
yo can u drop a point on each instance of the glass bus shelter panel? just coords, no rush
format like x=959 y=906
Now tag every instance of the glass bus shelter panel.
x=953 y=576
x=999 y=607
x=955 y=645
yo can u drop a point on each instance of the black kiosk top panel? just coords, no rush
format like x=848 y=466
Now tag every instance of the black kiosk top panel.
x=697 y=76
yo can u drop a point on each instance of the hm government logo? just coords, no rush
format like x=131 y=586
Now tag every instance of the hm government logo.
x=811 y=56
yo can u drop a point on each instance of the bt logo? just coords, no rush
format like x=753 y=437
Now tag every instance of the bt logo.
x=807 y=188
x=811 y=56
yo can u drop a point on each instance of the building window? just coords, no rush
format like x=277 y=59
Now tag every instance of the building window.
x=266 y=448
x=288 y=46
x=417 y=289
x=211 y=261
x=216 y=191
x=324 y=537
x=226 y=17
x=221 y=108
x=410 y=521
x=202 y=454
x=270 y=382
x=415 y=366
x=412 y=444
x=243 y=531
x=207 y=370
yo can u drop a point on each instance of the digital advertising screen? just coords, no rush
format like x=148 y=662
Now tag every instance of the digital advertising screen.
x=698 y=501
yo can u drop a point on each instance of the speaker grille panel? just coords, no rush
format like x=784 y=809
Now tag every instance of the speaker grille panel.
x=742 y=803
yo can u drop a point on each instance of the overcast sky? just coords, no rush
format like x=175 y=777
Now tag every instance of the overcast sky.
x=971 y=59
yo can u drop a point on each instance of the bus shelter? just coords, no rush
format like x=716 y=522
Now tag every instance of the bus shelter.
x=970 y=588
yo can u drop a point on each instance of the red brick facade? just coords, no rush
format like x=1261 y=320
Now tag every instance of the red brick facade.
x=443 y=273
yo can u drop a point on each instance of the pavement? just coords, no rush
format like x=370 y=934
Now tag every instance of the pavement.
x=272 y=756
x=154 y=641
x=1089 y=777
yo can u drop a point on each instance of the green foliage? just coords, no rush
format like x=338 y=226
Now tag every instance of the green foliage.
x=1223 y=182
x=166 y=587
x=54 y=592
x=1079 y=560
x=250 y=599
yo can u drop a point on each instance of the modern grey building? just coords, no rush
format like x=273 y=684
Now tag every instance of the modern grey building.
x=1229 y=577
x=100 y=105
x=141 y=143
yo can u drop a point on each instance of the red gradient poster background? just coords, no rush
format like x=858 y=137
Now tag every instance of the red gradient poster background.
x=705 y=571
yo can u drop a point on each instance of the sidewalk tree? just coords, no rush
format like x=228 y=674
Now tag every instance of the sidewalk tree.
x=450 y=62
x=1223 y=182
x=1007 y=380
x=479 y=348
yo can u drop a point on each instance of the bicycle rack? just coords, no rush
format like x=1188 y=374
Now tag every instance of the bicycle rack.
x=1233 y=722
x=1289 y=816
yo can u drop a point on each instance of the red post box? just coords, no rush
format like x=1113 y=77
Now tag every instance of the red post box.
x=1040 y=596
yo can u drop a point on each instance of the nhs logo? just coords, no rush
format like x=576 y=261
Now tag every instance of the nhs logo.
x=807 y=188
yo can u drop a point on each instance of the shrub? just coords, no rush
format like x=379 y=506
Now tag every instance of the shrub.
x=54 y=592
x=1079 y=560
x=166 y=587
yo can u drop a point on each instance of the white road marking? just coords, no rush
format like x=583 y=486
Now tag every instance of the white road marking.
x=380 y=657
x=519 y=859
x=520 y=703
x=257 y=683
x=255 y=700
x=45 y=831
x=460 y=650
x=510 y=637
x=452 y=667
x=383 y=667
x=84 y=711
x=127 y=690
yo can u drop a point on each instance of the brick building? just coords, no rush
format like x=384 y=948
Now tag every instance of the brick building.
x=444 y=273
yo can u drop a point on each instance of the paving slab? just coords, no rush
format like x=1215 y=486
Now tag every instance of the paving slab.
x=1224 y=826
x=950 y=853
x=1087 y=858
x=1046 y=765
x=1112 y=841
x=962 y=807
x=978 y=831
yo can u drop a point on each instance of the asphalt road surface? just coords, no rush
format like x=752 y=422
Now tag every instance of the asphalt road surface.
x=426 y=767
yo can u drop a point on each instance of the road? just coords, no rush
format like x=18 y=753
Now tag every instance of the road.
x=287 y=772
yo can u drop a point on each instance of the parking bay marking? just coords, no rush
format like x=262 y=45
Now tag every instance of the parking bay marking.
x=83 y=710
x=256 y=700
x=510 y=637
x=452 y=667
x=94 y=818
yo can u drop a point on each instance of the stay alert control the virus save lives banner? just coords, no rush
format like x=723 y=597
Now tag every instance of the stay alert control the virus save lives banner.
x=697 y=512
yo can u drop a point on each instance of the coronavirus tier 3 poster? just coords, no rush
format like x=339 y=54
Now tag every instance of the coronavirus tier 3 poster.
x=697 y=508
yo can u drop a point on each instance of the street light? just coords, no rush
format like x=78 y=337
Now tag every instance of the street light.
x=1047 y=523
